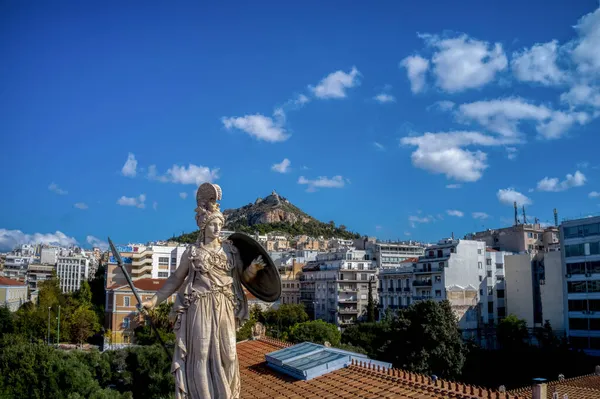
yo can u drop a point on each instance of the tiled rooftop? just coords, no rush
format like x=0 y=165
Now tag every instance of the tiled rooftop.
x=4 y=281
x=355 y=381
x=583 y=387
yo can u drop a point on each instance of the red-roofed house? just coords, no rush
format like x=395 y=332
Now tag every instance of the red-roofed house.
x=121 y=315
x=13 y=293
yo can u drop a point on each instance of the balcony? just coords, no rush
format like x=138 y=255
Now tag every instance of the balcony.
x=422 y=297
x=406 y=289
x=422 y=283
x=344 y=310
x=391 y=289
x=398 y=289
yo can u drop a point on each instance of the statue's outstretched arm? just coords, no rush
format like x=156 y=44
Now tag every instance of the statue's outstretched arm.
x=175 y=280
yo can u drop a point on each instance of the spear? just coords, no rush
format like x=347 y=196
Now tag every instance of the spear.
x=139 y=306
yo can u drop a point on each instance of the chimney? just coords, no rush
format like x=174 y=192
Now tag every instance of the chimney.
x=539 y=388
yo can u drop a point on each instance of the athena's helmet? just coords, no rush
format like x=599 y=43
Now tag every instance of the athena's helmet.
x=207 y=207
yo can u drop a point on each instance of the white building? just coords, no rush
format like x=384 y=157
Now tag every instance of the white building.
x=17 y=262
x=49 y=256
x=580 y=241
x=335 y=286
x=166 y=259
x=13 y=293
x=389 y=254
x=534 y=289
x=72 y=270
x=460 y=271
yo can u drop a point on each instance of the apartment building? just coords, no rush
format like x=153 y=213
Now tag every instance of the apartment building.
x=121 y=316
x=534 y=288
x=290 y=282
x=335 y=286
x=49 y=255
x=17 y=262
x=36 y=273
x=145 y=261
x=392 y=254
x=13 y=293
x=520 y=238
x=463 y=272
x=71 y=271
x=580 y=258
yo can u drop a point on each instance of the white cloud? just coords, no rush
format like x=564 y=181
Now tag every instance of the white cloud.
x=138 y=202
x=259 y=126
x=594 y=194
x=130 y=167
x=582 y=94
x=442 y=153
x=453 y=186
x=444 y=105
x=81 y=205
x=183 y=195
x=301 y=99
x=9 y=239
x=413 y=220
x=462 y=63
x=416 y=68
x=538 y=64
x=54 y=188
x=454 y=212
x=511 y=153
x=322 y=182
x=586 y=53
x=282 y=167
x=504 y=116
x=553 y=184
x=407 y=233
x=379 y=146
x=480 y=215
x=384 y=98
x=509 y=196
x=335 y=84
x=97 y=242
x=192 y=174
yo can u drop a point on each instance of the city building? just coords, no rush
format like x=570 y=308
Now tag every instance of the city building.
x=71 y=271
x=36 y=273
x=17 y=262
x=534 y=289
x=13 y=293
x=463 y=272
x=49 y=255
x=290 y=282
x=335 y=286
x=145 y=261
x=121 y=316
x=388 y=253
x=520 y=238
x=580 y=256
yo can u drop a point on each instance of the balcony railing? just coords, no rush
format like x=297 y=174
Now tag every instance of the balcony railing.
x=343 y=310
x=422 y=283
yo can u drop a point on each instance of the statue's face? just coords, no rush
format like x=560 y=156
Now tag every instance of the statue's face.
x=213 y=229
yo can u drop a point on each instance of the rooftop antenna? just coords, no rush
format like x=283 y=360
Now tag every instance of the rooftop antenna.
x=516 y=214
x=524 y=217
x=536 y=220
x=555 y=217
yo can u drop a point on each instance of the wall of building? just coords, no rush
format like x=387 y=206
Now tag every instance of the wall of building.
x=519 y=287
x=552 y=291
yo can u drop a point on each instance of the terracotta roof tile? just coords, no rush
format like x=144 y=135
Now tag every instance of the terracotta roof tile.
x=583 y=387
x=355 y=381
x=9 y=281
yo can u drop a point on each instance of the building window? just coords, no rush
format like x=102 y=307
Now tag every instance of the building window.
x=489 y=273
x=499 y=265
x=441 y=265
x=490 y=290
x=163 y=274
x=499 y=278
x=488 y=262
x=500 y=294
x=490 y=307
x=480 y=265
x=440 y=253
x=126 y=322
x=163 y=261
x=574 y=250
x=480 y=278
x=126 y=301
x=438 y=293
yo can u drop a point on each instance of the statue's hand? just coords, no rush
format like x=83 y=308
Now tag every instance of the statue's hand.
x=257 y=264
x=150 y=303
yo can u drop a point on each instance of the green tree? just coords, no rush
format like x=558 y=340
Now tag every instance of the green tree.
x=425 y=338
x=279 y=322
x=316 y=331
x=145 y=335
x=371 y=337
x=83 y=323
x=7 y=324
x=512 y=333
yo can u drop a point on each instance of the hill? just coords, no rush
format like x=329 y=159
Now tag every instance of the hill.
x=275 y=214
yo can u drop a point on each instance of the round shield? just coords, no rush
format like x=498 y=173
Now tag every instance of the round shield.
x=266 y=286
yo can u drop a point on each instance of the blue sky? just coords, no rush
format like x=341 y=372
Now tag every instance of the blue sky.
x=409 y=120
